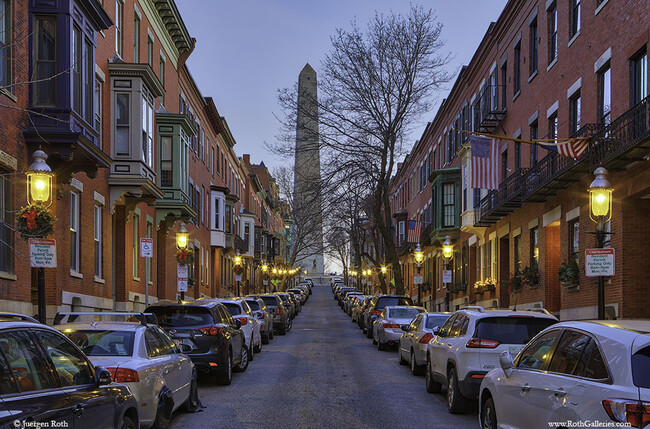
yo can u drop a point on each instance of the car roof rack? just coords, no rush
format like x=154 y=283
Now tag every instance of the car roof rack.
x=473 y=308
x=17 y=316
x=540 y=310
x=143 y=318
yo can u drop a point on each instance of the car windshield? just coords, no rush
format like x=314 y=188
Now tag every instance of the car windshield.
x=511 y=330
x=393 y=300
x=402 y=313
x=232 y=308
x=433 y=321
x=270 y=300
x=182 y=316
x=641 y=368
x=102 y=343
x=254 y=305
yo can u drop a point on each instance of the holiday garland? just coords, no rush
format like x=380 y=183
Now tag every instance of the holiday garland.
x=185 y=257
x=35 y=221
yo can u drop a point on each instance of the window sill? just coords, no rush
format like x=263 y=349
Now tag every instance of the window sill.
x=516 y=95
x=76 y=274
x=600 y=7
x=550 y=66
x=8 y=94
x=532 y=76
x=99 y=280
x=8 y=276
x=136 y=279
x=150 y=283
x=573 y=39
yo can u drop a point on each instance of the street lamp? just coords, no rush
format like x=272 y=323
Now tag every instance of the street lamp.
x=418 y=255
x=39 y=191
x=181 y=244
x=600 y=211
x=238 y=269
x=447 y=254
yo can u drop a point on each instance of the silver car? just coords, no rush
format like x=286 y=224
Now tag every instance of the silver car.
x=387 y=327
x=144 y=358
x=264 y=316
x=412 y=347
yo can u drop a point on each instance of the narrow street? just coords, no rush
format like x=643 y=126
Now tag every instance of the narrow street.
x=326 y=374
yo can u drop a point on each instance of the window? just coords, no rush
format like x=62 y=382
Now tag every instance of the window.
x=518 y=155
x=448 y=205
x=228 y=221
x=122 y=124
x=136 y=38
x=574 y=239
x=575 y=104
x=147 y=127
x=533 y=148
x=45 y=61
x=488 y=258
x=494 y=93
x=534 y=247
x=162 y=77
x=568 y=352
x=247 y=233
x=119 y=16
x=504 y=79
x=6 y=30
x=150 y=50
x=402 y=235
x=70 y=364
x=552 y=126
x=552 y=33
x=29 y=369
x=476 y=198
x=517 y=252
x=98 y=241
x=154 y=344
x=166 y=161
x=76 y=69
x=575 y=17
x=639 y=77
x=504 y=165
x=605 y=96
x=97 y=100
x=6 y=224
x=74 y=231
x=532 y=30
x=517 y=83
x=217 y=212
x=135 y=237
x=537 y=354
x=147 y=261
x=82 y=75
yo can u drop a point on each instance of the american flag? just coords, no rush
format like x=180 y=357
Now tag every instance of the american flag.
x=573 y=148
x=414 y=231
x=485 y=171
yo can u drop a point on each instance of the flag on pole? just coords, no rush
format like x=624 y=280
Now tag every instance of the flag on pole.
x=573 y=148
x=414 y=231
x=485 y=170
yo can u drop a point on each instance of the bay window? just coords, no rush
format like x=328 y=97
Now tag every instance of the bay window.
x=45 y=60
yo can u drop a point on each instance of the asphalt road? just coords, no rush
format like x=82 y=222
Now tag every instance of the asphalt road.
x=322 y=374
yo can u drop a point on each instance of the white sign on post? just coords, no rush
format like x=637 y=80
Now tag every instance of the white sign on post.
x=446 y=276
x=146 y=247
x=182 y=285
x=417 y=279
x=599 y=262
x=182 y=275
x=42 y=252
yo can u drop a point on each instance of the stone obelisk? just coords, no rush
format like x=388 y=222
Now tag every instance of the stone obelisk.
x=307 y=190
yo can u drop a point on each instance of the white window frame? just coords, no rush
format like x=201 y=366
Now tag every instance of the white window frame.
x=98 y=216
x=75 y=253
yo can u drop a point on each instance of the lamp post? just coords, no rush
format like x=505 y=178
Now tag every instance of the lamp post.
x=447 y=254
x=238 y=270
x=600 y=211
x=265 y=275
x=39 y=192
x=418 y=255
x=182 y=239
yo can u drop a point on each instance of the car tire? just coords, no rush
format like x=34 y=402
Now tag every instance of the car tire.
x=456 y=402
x=245 y=359
x=164 y=410
x=251 y=354
x=271 y=331
x=488 y=414
x=283 y=330
x=415 y=368
x=381 y=346
x=432 y=385
x=226 y=379
x=258 y=347
x=265 y=339
x=127 y=423
x=289 y=324
x=368 y=333
x=193 y=404
x=402 y=361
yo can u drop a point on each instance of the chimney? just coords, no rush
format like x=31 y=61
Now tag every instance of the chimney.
x=247 y=159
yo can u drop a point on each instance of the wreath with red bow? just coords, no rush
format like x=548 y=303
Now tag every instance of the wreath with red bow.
x=35 y=221
x=239 y=269
x=185 y=257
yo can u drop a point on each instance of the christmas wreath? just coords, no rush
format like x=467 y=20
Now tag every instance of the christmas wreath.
x=185 y=257
x=35 y=221
x=239 y=269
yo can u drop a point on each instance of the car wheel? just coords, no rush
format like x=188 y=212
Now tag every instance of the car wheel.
x=368 y=333
x=289 y=324
x=265 y=339
x=415 y=368
x=488 y=415
x=245 y=358
x=258 y=347
x=271 y=333
x=456 y=403
x=381 y=346
x=193 y=404
x=226 y=378
x=432 y=385
x=283 y=329
x=127 y=423
x=250 y=349
x=164 y=410
x=402 y=361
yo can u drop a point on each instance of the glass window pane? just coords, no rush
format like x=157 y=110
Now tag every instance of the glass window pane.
x=538 y=353
x=29 y=369
x=71 y=365
x=567 y=355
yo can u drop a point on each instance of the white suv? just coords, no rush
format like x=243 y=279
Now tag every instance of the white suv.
x=240 y=310
x=594 y=371
x=469 y=344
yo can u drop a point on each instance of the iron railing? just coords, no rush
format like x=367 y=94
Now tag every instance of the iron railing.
x=425 y=236
x=487 y=109
x=508 y=190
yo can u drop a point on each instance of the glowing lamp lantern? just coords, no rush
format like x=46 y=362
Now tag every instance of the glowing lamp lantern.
x=447 y=249
x=237 y=259
x=39 y=180
x=384 y=269
x=182 y=237
x=418 y=255
x=600 y=197
x=265 y=268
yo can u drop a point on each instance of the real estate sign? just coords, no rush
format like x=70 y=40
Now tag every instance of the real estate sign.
x=599 y=262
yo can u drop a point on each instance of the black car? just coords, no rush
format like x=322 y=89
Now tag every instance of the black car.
x=45 y=378
x=216 y=339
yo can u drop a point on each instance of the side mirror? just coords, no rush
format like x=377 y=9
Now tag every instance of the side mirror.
x=405 y=328
x=102 y=376
x=435 y=330
x=185 y=348
x=506 y=362
x=237 y=323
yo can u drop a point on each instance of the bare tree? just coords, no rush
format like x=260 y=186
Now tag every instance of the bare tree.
x=374 y=87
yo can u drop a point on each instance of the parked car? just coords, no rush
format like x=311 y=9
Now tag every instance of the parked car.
x=596 y=371
x=44 y=377
x=289 y=305
x=356 y=305
x=263 y=314
x=296 y=302
x=387 y=327
x=377 y=305
x=300 y=294
x=412 y=347
x=281 y=320
x=347 y=302
x=215 y=338
x=250 y=326
x=144 y=358
x=469 y=344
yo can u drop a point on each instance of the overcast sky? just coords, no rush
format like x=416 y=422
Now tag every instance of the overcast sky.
x=247 y=49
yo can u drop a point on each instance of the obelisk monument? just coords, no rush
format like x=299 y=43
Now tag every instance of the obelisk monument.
x=307 y=187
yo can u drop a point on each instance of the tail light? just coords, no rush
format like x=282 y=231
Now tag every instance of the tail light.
x=210 y=331
x=391 y=325
x=243 y=320
x=426 y=338
x=375 y=312
x=124 y=375
x=279 y=311
x=635 y=413
x=477 y=343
